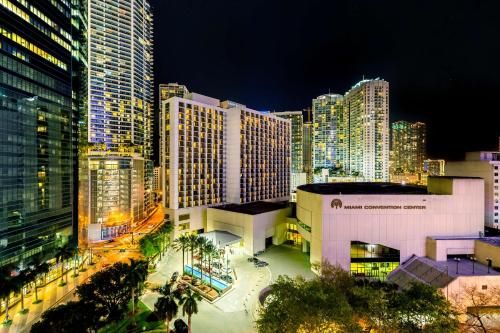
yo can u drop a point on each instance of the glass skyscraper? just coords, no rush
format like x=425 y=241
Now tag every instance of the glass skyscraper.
x=119 y=120
x=37 y=121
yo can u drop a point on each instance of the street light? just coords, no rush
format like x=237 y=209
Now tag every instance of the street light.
x=490 y=262
x=473 y=259
x=457 y=260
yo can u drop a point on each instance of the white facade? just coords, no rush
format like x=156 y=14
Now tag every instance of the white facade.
x=485 y=165
x=194 y=159
x=253 y=229
x=367 y=105
x=259 y=147
x=452 y=207
x=214 y=153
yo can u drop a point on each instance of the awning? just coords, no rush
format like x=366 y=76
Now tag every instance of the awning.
x=221 y=238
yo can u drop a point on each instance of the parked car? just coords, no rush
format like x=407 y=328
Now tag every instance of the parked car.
x=261 y=264
x=174 y=277
x=227 y=278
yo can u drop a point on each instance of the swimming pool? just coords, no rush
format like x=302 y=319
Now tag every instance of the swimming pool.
x=217 y=284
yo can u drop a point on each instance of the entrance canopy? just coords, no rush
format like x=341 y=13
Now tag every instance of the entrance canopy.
x=221 y=238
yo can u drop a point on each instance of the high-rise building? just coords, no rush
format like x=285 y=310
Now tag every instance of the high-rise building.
x=170 y=90
x=219 y=152
x=307 y=148
x=434 y=167
x=330 y=137
x=485 y=165
x=37 y=121
x=120 y=109
x=193 y=149
x=408 y=147
x=367 y=106
x=262 y=141
x=297 y=122
x=298 y=176
x=79 y=70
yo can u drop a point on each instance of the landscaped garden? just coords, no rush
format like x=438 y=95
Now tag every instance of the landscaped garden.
x=202 y=266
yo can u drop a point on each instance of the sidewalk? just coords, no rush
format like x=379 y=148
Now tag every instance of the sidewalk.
x=50 y=295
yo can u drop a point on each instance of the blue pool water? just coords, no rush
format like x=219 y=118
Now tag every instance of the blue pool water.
x=217 y=284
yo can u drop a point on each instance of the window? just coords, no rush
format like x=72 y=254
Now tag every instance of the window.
x=183 y=217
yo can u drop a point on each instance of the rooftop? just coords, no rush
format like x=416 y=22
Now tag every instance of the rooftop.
x=436 y=273
x=363 y=188
x=253 y=208
x=495 y=241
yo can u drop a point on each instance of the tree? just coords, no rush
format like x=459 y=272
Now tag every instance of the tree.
x=421 y=308
x=63 y=253
x=38 y=268
x=193 y=239
x=19 y=282
x=335 y=302
x=211 y=252
x=136 y=276
x=181 y=244
x=7 y=286
x=73 y=317
x=108 y=290
x=166 y=306
x=473 y=305
x=201 y=243
x=189 y=301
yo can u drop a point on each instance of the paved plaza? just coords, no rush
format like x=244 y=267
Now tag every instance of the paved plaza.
x=234 y=312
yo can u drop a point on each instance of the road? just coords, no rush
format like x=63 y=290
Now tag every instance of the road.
x=121 y=249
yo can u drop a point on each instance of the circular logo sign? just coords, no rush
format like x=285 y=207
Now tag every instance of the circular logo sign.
x=336 y=203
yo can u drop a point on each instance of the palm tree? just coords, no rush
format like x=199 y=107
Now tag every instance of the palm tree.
x=166 y=306
x=136 y=276
x=189 y=301
x=212 y=252
x=38 y=268
x=193 y=239
x=19 y=282
x=63 y=253
x=201 y=242
x=7 y=286
x=181 y=243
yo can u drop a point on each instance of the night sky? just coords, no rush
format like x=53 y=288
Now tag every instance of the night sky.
x=441 y=58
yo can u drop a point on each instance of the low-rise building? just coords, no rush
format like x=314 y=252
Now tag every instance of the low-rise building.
x=370 y=228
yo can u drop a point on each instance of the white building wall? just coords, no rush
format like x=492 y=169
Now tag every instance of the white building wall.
x=459 y=214
x=485 y=170
x=253 y=229
x=234 y=155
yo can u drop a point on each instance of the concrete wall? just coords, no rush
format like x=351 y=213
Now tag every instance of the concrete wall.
x=253 y=229
x=197 y=218
x=438 y=250
x=481 y=169
x=333 y=229
x=485 y=250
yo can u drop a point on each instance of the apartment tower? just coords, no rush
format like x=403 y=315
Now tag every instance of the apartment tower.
x=367 y=106
x=408 y=147
x=120 y=106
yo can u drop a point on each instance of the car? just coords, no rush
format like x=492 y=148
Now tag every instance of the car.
x=261 y=264
x=174 y=277
x=227 y=278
